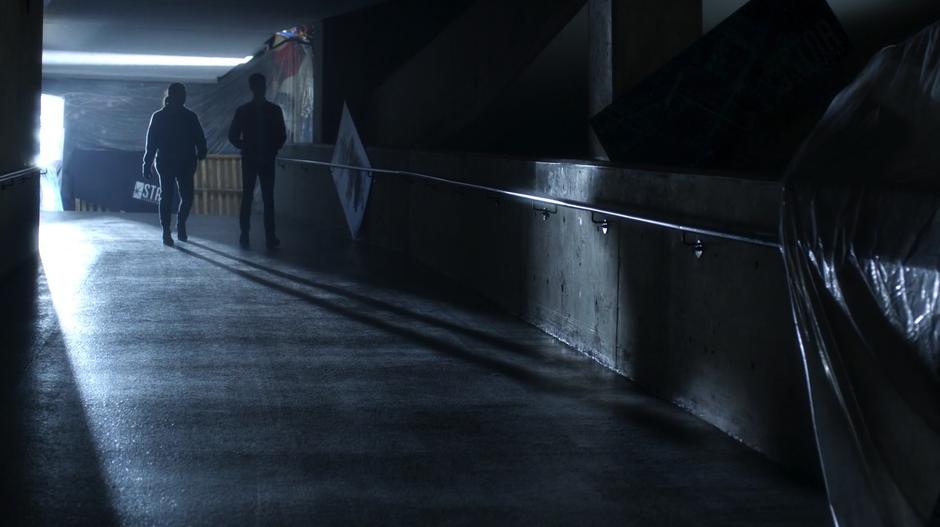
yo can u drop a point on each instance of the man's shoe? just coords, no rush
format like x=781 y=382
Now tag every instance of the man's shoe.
x=273 y=243
x=243 y=240
x=167 y=239
x=181 y=232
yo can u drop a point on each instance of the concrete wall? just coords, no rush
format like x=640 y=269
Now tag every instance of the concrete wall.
x=459 y=74
x=20 y=51
x=20 y=78
x=713 y=334
x=357 y=52
x=543 y=111
x=442 y=74
x=519 y=78
x=629 y=41
x=19 y=222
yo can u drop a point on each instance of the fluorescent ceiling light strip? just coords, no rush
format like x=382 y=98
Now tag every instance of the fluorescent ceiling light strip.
x=77 y=58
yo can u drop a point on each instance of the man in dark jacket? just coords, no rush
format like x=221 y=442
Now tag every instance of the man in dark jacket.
x=258 y=131
x=176 y=139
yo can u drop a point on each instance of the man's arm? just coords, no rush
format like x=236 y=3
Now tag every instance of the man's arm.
x=280 y=133
x=201 y=148
x=235 y=131
x=150 y=150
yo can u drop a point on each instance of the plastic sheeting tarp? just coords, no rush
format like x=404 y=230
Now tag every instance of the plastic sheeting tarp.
x=861 y=235
x=109 y=115
x=110 y=118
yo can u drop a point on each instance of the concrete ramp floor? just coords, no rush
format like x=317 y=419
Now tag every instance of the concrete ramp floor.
x=209 y=385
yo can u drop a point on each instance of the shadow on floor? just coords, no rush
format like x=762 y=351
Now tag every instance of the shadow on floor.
x=482 y=336
x=526 y=364
x=51 y=470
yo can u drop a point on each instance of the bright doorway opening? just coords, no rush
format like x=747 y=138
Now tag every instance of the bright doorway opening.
x=51 y=146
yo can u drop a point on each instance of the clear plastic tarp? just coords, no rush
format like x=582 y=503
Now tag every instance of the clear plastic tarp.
x=861 y=235
x=109 y=115
x=106 y=121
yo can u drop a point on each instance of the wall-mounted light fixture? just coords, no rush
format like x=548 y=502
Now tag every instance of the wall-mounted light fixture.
x=602 y=223
x=698 y=246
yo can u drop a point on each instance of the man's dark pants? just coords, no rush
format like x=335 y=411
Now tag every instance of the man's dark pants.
x=175 y=176
x=253 y=170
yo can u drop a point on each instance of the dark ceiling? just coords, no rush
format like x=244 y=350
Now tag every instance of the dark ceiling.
x=236 y=28
x=216 y=28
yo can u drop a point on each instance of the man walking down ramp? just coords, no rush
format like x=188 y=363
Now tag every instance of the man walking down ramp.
x=176 y=140
x=258 y=131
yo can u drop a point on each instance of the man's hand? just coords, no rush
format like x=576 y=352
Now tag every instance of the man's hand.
x=148 y=171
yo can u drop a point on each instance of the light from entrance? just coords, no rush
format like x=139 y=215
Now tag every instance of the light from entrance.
x=51 y=145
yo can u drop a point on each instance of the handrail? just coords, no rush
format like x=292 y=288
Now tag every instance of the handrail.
x=12 y=176
x=685 y=225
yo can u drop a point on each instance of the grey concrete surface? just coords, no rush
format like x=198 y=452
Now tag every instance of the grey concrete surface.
x=19 y=221
x=20 y=83
x=712 y=334
x=449 y=83
x=328 y=385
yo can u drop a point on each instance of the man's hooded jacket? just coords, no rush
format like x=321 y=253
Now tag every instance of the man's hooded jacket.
x=175 y=136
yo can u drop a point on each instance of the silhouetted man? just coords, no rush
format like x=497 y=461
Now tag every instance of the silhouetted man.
x=175 y=138
x=258 y=131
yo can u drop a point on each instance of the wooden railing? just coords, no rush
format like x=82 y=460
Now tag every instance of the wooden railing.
x=218 y=186
x=85 y=206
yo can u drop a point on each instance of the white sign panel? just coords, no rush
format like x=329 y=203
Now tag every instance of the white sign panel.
x=352 y=185
x=147 y=192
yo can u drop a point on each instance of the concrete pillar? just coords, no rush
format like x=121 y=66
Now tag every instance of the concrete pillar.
x=20 y=81
x=631 y=39
x=20 y=86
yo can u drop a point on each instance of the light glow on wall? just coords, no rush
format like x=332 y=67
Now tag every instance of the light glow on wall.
x=75 y=58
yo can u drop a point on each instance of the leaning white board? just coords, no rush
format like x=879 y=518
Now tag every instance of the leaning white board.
x=352 y=186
